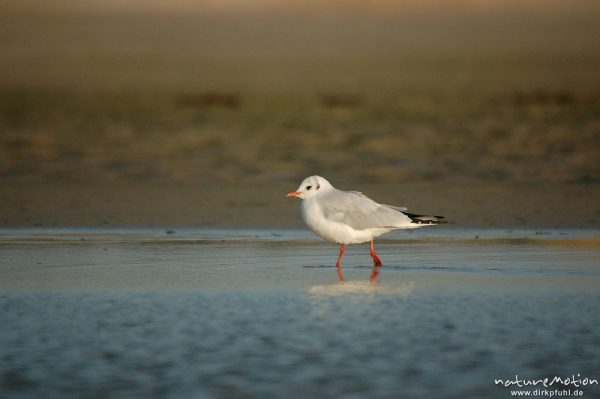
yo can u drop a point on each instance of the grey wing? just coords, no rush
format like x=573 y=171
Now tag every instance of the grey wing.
x=360 y=212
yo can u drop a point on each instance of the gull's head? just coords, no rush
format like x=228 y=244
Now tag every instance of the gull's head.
x=311 y=186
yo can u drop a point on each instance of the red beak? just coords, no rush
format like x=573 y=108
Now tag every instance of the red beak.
x=293 y=194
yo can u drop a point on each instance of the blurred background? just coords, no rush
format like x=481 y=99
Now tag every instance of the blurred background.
x=127 y=112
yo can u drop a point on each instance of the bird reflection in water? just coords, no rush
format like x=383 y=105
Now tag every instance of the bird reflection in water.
x=372 y=281
x=374 y=274
x=362 y=288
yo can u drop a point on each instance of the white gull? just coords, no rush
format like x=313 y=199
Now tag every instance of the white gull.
x=350 y=217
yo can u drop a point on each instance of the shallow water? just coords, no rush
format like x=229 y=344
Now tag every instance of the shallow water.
x=190 y=313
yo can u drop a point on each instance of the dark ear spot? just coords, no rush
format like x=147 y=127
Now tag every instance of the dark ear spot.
x=318 y=186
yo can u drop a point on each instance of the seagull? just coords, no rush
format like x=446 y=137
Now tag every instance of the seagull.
x=350 y=217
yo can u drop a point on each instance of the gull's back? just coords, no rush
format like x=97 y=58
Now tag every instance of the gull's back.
x=359 y=212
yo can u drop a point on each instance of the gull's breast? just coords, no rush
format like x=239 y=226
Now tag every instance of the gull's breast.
x=331 y=230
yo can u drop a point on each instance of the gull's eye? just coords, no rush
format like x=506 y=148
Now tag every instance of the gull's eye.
x=308 y=187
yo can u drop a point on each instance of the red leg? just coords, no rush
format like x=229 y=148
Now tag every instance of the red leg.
x=376 y=260
x=339 y=263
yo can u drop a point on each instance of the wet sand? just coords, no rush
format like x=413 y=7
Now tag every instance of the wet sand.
x=472 y=94
x=488 y=115
x=251 y=204
x=248 y=313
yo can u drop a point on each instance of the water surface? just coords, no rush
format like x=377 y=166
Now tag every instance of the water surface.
x=224 y=313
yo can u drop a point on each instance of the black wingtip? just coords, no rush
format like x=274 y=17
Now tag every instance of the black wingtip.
x=425 y=219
